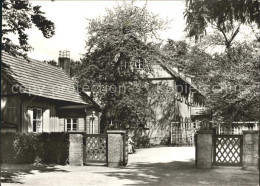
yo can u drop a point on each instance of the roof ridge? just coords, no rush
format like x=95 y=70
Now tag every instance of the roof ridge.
x=30 y=60
x=42 y=79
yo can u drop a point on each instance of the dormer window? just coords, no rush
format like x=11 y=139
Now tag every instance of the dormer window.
x=139 y=65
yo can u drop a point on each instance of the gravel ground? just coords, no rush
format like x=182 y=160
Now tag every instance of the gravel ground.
x=153 y=166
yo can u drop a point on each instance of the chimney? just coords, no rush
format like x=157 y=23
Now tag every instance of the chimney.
x=64 y=61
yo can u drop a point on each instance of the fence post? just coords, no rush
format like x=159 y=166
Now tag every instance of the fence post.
x=115 y=150
x=250 y=149
x=76 y=149
x=204 y=143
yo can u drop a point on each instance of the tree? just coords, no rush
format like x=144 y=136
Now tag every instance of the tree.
x=17 y=17
x=232 y=91
x=75 y=67
x=51 y=62
x=222 y=15
x=117 y=44
x=232 y=76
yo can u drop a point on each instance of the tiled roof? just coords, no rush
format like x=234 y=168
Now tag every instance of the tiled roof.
x=40 y=79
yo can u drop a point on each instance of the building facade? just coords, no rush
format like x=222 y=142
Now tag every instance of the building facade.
x=180 y=107
x=38 y=97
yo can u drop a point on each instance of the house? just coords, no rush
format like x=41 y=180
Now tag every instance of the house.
x=184 y=103
x=38 y=97
x=181 y=108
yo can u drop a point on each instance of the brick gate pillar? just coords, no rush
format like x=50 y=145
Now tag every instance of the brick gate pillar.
x=76 y=148
x=204 y=146
x=115 y=151
x=250 y=150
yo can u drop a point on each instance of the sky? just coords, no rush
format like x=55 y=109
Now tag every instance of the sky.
x=70 y=21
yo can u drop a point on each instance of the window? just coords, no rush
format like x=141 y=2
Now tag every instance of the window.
x=191 y=98
x=37 y=120
x=125 y=65
x=71 y=124
x=139 y=65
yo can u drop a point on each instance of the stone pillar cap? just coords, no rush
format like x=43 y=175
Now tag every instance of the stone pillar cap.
x=115 y=131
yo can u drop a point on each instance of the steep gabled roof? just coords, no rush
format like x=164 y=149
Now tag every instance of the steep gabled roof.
x=40 y=79
x=170 y=72
x=174 y=73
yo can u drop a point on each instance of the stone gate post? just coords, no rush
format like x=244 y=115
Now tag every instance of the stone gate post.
x=76 y=148
x=250 y=149
x=115 y=146
x=204 y=149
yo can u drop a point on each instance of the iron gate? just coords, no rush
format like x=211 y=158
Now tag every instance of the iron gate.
x=96 y=148
x=227 y=150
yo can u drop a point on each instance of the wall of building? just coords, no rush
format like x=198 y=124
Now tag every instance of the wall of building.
x=83 y=120
x=96 y=122
x=166 y=110
x=10 y=104
x=72 y=113
x=50 y=119
x=10 y=110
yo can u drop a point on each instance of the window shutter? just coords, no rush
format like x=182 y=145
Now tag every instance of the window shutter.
x=30 y=119
x=46 y=121
x=65 y=124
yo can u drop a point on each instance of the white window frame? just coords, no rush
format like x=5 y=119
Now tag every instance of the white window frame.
x=71 y=128
x=36 y=120
x=191 y=98
x=125 y=64
x=140 y=64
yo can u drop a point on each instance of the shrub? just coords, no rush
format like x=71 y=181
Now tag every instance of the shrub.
x=54 y=148
x=29 y=148
x=141 y=141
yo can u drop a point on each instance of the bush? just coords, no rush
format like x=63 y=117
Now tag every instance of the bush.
x=30 y=148
x=141 y=141
x=54 y=148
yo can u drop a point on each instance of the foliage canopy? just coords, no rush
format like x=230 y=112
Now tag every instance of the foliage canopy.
x=120 y=53
x=17 y=17
x=221 y=14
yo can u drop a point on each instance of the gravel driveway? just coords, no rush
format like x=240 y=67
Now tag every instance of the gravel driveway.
x=153 y=166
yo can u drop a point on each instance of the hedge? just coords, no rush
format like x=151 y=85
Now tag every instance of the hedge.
x=28 y=148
